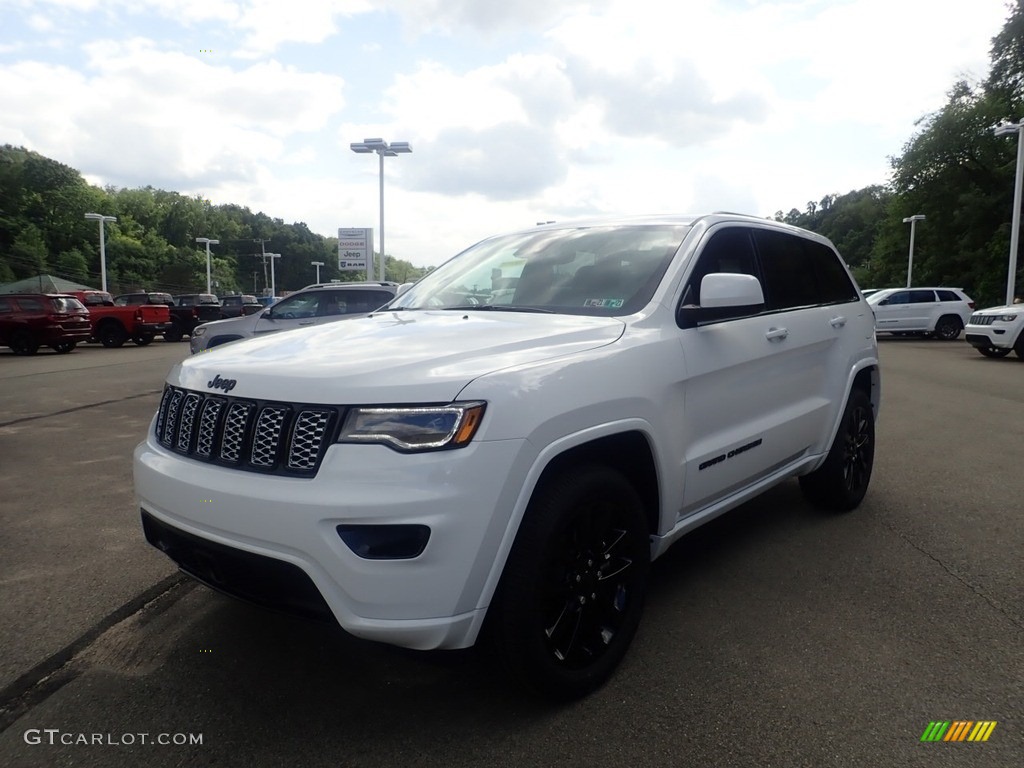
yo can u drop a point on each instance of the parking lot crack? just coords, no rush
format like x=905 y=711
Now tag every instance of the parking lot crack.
x=49 y=676
x=12 y=422
x=976 y=589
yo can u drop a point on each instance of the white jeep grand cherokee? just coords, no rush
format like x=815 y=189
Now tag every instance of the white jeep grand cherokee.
x=510 y=443
x=997 y=331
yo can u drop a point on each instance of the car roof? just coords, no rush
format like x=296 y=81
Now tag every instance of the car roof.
x=372 y=284
x=37 y=295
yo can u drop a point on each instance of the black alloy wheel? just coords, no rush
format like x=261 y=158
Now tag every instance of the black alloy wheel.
x=22 y=342
x=174 y=333
x=842 y=481
x=112 y=335
x=143 y=339
x=573 y=589
x=948 y=328
x=994 y=351
x=63 y=347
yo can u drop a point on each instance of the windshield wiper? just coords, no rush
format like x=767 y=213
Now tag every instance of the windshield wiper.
x=500 y=308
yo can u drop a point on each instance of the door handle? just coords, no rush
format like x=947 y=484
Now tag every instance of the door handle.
x=776 y=333
x=306 y=322
x=837 y=322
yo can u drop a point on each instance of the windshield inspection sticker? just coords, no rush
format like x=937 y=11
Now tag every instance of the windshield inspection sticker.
x=604 y=303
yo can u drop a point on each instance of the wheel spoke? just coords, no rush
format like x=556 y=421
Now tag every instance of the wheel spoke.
x=589 y=588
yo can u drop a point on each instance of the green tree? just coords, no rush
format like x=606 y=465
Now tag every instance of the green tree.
x=72 y=265
x=29 y=254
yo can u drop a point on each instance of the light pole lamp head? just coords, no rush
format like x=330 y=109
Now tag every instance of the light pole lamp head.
x=1006 y=128
x=100 y=217
x=915 y=217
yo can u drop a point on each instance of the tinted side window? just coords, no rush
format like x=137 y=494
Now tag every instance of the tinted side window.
x=30 y=305
x=922 y=297
x=352 y=302
x=833 y=280
x=303 y=305
x=947 y=296
x=5 y=306
x=728 y=250
x=902 y=297
x=789 y=272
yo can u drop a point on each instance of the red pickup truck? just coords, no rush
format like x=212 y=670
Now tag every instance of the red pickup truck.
x=113 y=326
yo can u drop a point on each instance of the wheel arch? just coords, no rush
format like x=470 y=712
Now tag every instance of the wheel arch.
x=623 y=446
x=628 y=452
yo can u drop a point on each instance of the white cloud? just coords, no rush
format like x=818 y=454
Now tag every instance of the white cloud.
x=519 y=111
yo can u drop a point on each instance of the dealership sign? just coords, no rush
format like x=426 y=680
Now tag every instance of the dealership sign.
x=355 y=248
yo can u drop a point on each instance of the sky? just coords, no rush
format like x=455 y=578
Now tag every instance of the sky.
x=517 y=111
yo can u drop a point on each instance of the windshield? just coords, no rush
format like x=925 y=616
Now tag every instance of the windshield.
x=608 y=270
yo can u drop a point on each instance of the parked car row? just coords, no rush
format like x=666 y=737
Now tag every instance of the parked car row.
x=64 y=320
x=944 y=313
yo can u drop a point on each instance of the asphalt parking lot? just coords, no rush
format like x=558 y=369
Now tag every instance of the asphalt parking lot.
x=776 y=636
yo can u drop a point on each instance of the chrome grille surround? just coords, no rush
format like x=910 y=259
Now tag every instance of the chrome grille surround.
x=253 y=435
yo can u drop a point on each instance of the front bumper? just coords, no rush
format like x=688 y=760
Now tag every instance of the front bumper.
x=435 y=600
x=998 y=335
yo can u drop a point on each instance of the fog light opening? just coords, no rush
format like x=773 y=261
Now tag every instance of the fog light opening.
x=385 y=542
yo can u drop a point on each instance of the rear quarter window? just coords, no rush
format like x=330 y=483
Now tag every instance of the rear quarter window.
x=30 y=305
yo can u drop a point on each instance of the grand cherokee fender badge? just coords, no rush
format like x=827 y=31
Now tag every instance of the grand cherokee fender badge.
x=218 y=383
x=726 y=456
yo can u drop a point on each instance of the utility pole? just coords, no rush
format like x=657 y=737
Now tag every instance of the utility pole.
x=263 y=255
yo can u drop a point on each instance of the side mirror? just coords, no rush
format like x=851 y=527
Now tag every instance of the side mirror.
x=723 y=295
x=403 y=288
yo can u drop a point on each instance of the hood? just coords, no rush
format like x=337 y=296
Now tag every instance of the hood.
x=1009 y=309
x=390 y=357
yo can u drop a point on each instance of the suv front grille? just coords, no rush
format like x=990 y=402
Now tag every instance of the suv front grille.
x=255 y=435
x=982 y=319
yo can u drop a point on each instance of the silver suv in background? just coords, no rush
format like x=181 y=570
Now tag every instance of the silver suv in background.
x=938 y=312
x=312 y=305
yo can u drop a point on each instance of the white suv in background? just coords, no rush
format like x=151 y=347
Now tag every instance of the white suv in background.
x=997 y=331
x=939 y=312
x=503 y=449
x=313 y=305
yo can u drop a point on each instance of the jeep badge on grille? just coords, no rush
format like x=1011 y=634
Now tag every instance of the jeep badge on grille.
x=218 y=383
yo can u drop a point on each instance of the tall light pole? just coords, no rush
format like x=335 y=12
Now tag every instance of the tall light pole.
x=383 y=149
x=208 y=242
x=273 y=283
x=910 y=260
x=1008 y=129
x=103 y=245
x=317 y=264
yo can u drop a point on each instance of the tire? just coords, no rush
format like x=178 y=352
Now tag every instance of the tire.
x=143 y=339
x=174 y=333
x=112 y=336
x=1018 y=346
x=994 y=351
x=841 y=482
x=573 y=588
x=63 y=347
x=948 y=328
x=22 y=342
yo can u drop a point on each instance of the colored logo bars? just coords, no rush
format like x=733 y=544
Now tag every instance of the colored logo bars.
x=958 y=730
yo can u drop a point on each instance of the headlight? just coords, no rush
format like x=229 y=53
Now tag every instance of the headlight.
x=1007 y=318
x=198 y=331
x=421 y=428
